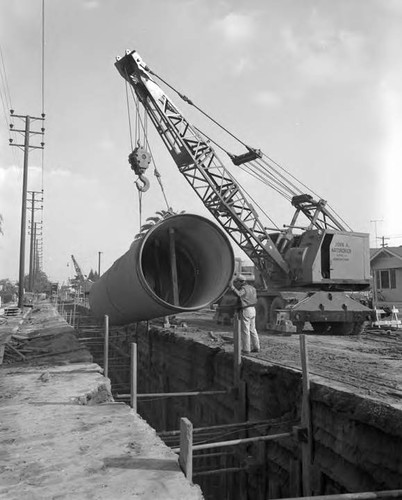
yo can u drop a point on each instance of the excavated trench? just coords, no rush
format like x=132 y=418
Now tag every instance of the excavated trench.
x=356 y=440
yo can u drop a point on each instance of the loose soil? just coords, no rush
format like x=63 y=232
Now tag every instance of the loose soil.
x=368 y=364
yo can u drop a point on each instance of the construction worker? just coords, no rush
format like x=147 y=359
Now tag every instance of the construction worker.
x=246 y=310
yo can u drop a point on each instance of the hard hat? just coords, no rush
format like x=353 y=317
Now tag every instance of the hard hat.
x=241 y=278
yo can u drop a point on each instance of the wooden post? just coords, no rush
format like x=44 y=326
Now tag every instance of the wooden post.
x=307 y=444
x=173 y=266
x=133 y=391
x=186 y=447
x=74 y=311
x=106 y=348
x=237 y=350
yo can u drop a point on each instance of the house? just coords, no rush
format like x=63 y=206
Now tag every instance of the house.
x=386 y=267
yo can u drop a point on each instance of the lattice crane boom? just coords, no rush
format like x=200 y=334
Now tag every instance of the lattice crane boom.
x=203 y=169
x=77 y=268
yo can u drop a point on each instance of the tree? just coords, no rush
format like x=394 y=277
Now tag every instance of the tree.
x=41 y=282
x=93 y=275
x=8 y=291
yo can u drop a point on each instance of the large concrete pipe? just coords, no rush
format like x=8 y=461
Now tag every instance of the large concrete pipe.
x=183 y=263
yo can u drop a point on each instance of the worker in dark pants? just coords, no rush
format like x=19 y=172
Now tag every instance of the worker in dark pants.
x=248 y=299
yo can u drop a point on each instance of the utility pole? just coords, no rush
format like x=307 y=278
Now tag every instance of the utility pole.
x=383 y=238
x=33 y=200
x=99 y=263
x=25 y=147
x=37 y=251
x=375 y=229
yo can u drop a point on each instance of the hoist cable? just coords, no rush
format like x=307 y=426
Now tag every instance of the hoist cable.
x=129 y=117
x=143 y=124
x=260 y=175
x=272 y=179
x=283 y=184
x=339 y=217
x=258 y=205
x=292 y=188
x=159 y=178
x=256 y=175
x=140 y=207
x=286 y=184
x=190 y=102
x=310 y=190
x=292 y=176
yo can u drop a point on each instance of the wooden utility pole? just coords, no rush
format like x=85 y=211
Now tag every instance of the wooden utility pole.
x=99 y=263
x=383 y=238
x=33 y=200
x=26 y=148
x=23 y=215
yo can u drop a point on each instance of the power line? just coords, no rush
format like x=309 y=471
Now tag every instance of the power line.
x=5 y=97
x=43 y=57
x=5 y=80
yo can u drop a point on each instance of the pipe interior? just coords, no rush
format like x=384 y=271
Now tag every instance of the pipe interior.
x=204 y=261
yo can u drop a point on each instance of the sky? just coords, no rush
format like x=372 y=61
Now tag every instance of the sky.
x=315 y=84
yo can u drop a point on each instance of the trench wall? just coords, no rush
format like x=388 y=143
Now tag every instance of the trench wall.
x=357 y=441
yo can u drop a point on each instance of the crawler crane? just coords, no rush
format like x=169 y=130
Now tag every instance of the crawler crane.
x=307 y=270
x=81 y=282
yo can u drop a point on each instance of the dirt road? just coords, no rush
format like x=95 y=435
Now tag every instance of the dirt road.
x=369 y=364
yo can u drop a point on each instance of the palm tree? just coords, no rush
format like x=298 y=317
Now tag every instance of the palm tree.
x=152 y=221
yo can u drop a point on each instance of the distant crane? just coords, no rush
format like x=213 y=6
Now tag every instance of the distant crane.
x=80 y=276
x=80 y=281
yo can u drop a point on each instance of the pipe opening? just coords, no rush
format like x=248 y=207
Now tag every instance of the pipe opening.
x=198 y=250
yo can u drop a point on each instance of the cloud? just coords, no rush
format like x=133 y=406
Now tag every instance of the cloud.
x=325 y=55
x=90 y=4
x=242 y=65
x=268 y=99
x=236 y=28
x=67 y=216
x=391 y=178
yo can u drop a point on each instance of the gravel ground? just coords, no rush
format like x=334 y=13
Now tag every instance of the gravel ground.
x=368 y=364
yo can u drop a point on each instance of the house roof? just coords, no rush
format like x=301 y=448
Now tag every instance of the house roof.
x=393 y=251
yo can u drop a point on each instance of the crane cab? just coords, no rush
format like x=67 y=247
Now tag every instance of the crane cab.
x=330 y=259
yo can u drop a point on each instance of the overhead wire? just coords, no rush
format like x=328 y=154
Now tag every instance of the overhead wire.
x=7 y=102
x=43 y=85
x=42 y=78
x=4 y=80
